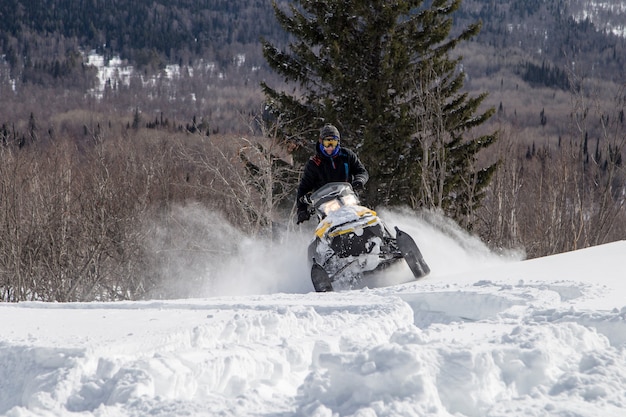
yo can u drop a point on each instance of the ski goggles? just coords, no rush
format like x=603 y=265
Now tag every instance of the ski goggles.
x=330 y=141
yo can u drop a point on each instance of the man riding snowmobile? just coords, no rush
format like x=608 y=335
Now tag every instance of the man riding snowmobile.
x=350 y=241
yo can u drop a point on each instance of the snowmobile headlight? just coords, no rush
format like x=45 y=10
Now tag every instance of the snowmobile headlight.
x=330 y=206
x=350 y=200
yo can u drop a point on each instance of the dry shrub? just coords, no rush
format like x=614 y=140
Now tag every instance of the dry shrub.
x=119 y=216
x=555 y=198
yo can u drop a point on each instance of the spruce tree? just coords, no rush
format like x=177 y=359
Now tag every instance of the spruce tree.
x=381 y=71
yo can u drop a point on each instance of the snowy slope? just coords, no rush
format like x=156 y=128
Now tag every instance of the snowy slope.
x=483 y=335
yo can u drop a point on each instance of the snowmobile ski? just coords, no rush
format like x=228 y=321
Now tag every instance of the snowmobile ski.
x=319 y=277
x=411 y=254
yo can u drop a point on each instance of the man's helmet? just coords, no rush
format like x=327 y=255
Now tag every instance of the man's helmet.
x=329 y=131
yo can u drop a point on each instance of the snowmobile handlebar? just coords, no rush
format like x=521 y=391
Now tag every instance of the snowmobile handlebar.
x=306 y=199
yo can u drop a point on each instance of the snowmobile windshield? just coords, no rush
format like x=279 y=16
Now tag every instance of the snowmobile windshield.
x=332 y=196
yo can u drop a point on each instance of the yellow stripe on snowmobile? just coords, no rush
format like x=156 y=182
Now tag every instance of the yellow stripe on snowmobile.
x=365 y=211
x=322 y=229
x=344 y=231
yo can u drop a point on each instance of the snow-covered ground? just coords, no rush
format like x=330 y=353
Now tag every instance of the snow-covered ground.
x=484 y=335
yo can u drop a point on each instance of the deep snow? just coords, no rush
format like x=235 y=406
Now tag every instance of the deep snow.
x=484 y=335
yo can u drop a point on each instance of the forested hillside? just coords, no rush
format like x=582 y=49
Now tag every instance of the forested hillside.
x=149 y=33
x=552 y=33
x=43 y=46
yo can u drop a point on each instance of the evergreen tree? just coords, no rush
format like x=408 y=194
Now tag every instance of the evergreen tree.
x=381 y=71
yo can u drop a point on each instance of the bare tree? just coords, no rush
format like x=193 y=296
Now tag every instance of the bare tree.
x=566 y=195
x=253 y=176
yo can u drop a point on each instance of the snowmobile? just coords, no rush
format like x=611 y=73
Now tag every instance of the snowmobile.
x=352 y=242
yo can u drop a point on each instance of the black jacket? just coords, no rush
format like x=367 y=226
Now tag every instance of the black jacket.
x=322 y=169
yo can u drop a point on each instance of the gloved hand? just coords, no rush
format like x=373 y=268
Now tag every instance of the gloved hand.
x=357 y=185
x=303 y=216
